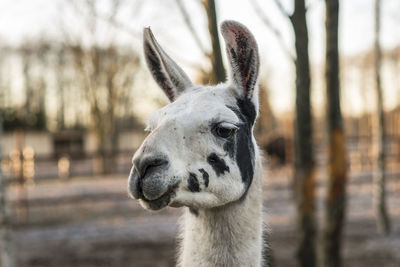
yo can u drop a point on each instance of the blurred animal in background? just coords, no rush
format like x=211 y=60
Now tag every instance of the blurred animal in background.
x=278 y=149
x=201 y=154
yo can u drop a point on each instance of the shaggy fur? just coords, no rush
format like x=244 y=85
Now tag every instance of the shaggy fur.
x=201 y=154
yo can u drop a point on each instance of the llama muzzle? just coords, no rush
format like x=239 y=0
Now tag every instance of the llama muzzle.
x=148 y=181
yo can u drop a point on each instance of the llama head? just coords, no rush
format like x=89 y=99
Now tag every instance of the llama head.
x=200 y=151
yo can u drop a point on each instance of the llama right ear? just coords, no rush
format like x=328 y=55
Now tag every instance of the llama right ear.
x=169 y=76
x=242 y=51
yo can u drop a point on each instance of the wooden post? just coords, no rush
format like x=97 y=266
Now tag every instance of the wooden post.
x=382 y=218
x=22 y=209
x=7 y=258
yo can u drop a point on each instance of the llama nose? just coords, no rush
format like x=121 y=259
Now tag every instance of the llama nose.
x=146 y=164
x=142 y=168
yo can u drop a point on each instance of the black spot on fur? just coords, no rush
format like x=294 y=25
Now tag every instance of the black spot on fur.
x=217 y=164
x=229 y=147
x=248 y=110
x=244 y=148
x=193 y=211
x=205 y=176
x=193 y=183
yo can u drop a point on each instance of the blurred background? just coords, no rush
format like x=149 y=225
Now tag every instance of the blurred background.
x=75 y=95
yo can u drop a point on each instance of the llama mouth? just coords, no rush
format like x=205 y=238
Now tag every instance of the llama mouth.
x=161 y=202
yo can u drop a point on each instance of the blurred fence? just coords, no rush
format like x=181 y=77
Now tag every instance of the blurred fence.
x=62 y=192
x=24 y=164
x=31 y=170
x=32 y=158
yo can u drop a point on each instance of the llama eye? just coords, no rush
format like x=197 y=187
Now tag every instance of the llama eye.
x=224 y=132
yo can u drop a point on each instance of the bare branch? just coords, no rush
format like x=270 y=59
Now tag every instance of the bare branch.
x=282 y=9
x=189 y=24
x=118 y=25
x=273 y=29
x=110 y=19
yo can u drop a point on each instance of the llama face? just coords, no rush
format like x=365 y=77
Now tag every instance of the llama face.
x=200 y=149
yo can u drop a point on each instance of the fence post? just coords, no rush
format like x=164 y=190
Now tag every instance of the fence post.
x=7 y=256
x=22 y=209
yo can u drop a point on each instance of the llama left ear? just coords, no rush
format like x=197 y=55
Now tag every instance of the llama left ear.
x=169 y=76
x=242 y=51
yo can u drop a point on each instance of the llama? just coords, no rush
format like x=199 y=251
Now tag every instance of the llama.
x=200 y=153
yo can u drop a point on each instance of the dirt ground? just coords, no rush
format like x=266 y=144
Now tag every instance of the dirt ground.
x=91 y=222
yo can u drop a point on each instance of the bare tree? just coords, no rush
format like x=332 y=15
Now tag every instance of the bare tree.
x=33 y=57
x=216 y=57
x=106 y=74
x=267 y=122
x=60 y=65
x=278 y=35
x=217 y=72
x=106 y=86
x=27 y=54
x=304 y=174
x=382 y=217
x=336 y=195
x=7 y=256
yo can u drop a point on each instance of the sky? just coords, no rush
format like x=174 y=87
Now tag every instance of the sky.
x=21 y=20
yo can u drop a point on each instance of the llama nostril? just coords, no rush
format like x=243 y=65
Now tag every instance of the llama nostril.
x=134 y=184
x=148 y=164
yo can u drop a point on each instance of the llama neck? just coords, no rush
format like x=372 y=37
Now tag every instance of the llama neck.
x=226 y=236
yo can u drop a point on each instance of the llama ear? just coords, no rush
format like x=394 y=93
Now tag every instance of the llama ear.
x=169 y=76
x=242 y=51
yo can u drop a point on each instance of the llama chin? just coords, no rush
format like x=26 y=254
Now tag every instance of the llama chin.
x=201 y=154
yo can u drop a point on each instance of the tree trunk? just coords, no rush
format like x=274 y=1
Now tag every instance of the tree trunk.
x=106 y=144
x=7 y=258
x=109 y=150
x=60 y=89
x=336 y=194
x=304 y=175
x=382 y=218
x=266 y=123
x=218 y=72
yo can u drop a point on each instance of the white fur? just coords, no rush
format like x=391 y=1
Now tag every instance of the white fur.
x=227 y=236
